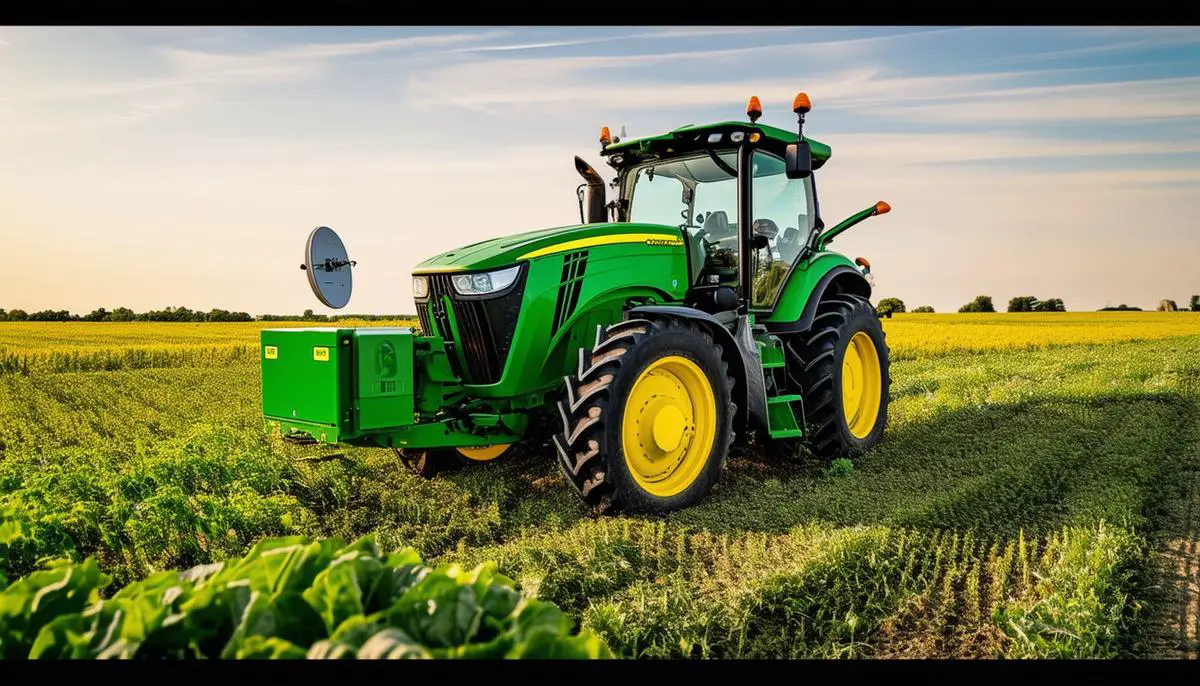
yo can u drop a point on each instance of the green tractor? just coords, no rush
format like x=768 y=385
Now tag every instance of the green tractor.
x=699 y=305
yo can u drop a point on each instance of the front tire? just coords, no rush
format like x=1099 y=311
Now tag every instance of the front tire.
x=485 y=453
x=647 y=421
x=841 y=369
x=425 y=462
x=429 y=462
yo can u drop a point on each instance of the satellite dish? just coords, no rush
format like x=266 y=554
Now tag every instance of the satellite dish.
x=328 y=267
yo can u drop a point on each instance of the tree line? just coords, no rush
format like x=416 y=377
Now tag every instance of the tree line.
x=180 y=314
x=1027 y=303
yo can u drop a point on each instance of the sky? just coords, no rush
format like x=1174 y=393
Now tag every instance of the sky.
x=151 y=167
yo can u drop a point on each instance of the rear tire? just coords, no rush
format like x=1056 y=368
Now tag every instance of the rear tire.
x=647 y=420
x=840 y=366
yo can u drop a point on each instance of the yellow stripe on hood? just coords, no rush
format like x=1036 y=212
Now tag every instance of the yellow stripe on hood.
x=658 y=238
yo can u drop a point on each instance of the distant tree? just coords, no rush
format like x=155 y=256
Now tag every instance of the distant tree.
x=981 y=303
x=121 y=314
x=889 y=306
x=1051 y=305
x=923 y=308
x=219 y=315
x=18 y=316
x=3 y=315
x=1194 y=306
x=50 y=316
x=1167 y=305
x=1023 y=303
x=1121 y=308
x=97 y=315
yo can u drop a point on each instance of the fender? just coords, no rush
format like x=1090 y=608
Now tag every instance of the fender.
x=842 y=279
x=749 y=391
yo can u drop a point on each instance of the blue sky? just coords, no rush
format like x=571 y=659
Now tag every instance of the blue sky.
x=147 y=167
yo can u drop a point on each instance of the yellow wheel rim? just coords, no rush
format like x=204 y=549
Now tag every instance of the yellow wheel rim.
x=861 y=383
x=669 y=425
x=485 y=452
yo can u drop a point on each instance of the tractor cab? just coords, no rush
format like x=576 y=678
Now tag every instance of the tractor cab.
x=745 y=217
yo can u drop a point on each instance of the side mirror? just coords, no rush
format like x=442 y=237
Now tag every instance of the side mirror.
x=799 y=160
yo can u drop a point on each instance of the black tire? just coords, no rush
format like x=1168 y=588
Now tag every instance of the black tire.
x=427 y=462
x=814 y=370
x=589 y=446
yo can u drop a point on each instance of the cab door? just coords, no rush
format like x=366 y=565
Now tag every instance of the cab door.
x=781 y=217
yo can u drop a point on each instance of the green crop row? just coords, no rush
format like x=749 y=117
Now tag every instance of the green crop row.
x=660 y=590
x=113 y=359
x=287 y=598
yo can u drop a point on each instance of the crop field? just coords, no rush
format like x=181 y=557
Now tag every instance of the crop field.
x=111 y=346
x=1036 y=494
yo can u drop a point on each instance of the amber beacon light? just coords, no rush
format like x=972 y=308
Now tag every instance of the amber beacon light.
x=754 y=109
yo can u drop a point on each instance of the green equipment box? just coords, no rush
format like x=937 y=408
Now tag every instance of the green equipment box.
x=335 y=384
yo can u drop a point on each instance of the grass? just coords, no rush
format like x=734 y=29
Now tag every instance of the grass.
x=1012 y=509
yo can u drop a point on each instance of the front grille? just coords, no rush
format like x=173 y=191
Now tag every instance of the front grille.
x=485 y=325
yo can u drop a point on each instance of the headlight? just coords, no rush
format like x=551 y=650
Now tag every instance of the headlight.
x=486 y=282
x=420 y=287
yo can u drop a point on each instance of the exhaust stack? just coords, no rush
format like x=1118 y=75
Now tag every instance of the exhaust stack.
x=593 y=198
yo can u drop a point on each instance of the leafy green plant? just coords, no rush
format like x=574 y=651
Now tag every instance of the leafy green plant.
x=288 y=598
x=840 y=467
x=1079 y=603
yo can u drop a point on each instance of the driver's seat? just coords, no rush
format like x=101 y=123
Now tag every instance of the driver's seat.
x=716 y=225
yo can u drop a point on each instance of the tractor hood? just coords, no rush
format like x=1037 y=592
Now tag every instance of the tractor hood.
x=508 y=250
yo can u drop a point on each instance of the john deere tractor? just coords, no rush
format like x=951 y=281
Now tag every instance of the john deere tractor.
x=699 y=306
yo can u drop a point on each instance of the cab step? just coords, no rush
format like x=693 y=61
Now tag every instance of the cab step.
x=781 y=416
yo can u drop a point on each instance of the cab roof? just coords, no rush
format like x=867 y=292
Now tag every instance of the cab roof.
x=696 y=137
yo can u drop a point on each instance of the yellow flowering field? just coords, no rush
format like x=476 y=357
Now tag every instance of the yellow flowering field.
x=109 y=346
x=914 y=336
x=94 y=346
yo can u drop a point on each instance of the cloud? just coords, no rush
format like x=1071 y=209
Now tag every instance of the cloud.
x=581 y=82
x=188 y=67
x=144 y=110
x=1159 y=38
x=818 y=49
x=999 y=98
x=670 y=33
x=909 y=149
x=191 y=77
x=1147 y=99
x=536 y=46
